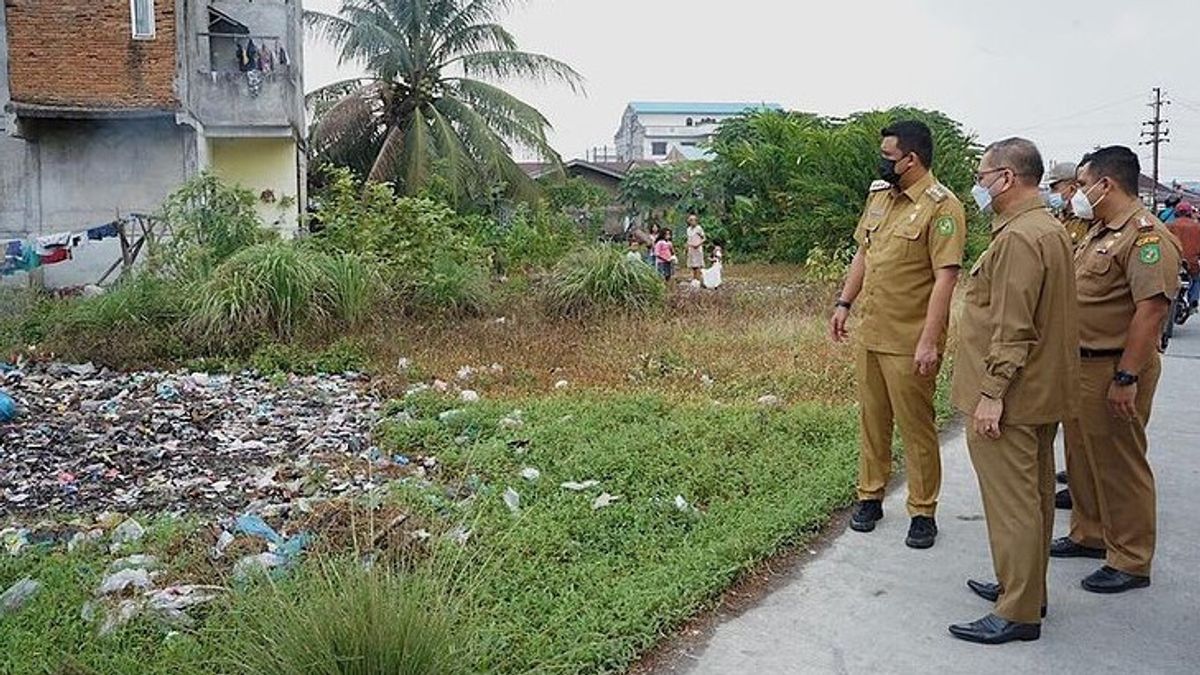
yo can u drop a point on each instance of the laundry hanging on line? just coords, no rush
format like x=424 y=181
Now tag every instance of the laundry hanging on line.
x=50 y=249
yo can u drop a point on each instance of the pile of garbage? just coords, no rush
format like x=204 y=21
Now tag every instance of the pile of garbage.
x=87 y=439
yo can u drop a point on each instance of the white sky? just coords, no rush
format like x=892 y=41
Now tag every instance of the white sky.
x=1069 y=74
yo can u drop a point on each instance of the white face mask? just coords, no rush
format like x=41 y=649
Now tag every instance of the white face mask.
x=983 y=198
x=1082 y=207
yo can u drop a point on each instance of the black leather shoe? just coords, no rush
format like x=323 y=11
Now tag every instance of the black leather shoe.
x=1062 y=499
x=866 y=514
x=1065 y=547
x=1061 y=477
x=1110 y=580
x=921 y=532
x=992 y=630
x=990 y=591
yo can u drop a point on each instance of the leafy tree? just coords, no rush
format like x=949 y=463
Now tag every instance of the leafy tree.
x=792 y=182
x=428 y=108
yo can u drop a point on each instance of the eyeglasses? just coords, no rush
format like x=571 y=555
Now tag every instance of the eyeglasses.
x=980 y=174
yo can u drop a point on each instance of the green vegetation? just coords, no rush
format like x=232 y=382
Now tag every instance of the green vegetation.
x=428 y=108
x=701 y=493
x=594 y=280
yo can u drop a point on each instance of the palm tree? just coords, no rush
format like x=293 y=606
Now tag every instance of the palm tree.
x=426 y=108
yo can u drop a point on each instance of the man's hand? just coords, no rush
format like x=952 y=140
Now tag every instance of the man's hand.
x=987 y=417
x=837 y=325
x=925 y=361
x=1121 y=401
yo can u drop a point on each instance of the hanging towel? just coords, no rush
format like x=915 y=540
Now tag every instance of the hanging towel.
x=47 y=244
x=55 y=256
x=266 y=60
x=241 y=57
x=102 y=232
x=13 y=249
x=283 y=56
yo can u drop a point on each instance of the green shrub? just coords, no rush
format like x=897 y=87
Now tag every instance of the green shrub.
x=537 y=238
x=138 y=302
x=208 y=221
x=267 y=289
x=449 y=287
x=354 y=285
x=599 y=279
x=272 y=359
x=340 y=618
x=825 y=265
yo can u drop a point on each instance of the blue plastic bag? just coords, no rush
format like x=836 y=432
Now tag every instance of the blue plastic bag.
x=8 y=408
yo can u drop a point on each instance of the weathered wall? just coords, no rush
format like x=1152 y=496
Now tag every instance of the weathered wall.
x=88 y=172
x=219 y=95
x=82 y=53
x=260 y=165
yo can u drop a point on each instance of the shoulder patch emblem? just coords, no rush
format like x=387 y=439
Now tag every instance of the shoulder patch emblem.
x=1150 y=254
x=945 y=226
x=937 y=192
x=1147 y=239
x=1145 y=224
x=878 y=185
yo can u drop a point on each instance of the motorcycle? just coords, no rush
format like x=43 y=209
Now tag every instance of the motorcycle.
x=1181 y=309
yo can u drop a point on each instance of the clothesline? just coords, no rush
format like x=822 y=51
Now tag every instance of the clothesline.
x=26 y=255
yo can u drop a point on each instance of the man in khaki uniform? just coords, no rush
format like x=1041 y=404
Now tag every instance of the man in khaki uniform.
x=1126 y=272
x=1016 y=375
x=910 y=247
x=1061 y=181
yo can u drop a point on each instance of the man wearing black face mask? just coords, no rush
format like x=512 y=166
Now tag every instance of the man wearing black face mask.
x=910 y=247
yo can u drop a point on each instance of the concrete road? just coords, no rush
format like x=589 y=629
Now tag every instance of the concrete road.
x=868 y=604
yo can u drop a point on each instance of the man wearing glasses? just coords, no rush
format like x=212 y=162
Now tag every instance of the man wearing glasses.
x=1016 y=375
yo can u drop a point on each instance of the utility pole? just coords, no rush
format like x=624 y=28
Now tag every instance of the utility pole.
x=1156 y=133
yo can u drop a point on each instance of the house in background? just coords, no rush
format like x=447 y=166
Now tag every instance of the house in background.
x=664 y=131
x=109 y=105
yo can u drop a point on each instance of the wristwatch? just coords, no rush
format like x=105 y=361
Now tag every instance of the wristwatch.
x=1124 y=379
x=843 y=303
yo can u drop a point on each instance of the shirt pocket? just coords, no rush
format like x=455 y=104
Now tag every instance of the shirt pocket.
x=909 y=239
x=979 y=283
x=1093 y=273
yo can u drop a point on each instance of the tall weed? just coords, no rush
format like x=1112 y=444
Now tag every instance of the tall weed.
x=599 y=279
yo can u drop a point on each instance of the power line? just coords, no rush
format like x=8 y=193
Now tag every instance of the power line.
x=1081 y=113
x=1156 y=135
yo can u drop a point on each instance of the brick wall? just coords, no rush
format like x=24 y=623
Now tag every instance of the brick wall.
x=82 y=53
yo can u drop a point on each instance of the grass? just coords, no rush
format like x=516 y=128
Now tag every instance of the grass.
x=659 y=403
x=599 y=279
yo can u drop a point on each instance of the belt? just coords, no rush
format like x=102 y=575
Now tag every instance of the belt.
x=1086 y=353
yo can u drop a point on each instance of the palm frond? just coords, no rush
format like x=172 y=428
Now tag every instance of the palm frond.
x=388 y=158
x=476 y=38
x=507 y=65
x=509 y=116
x=419 y=165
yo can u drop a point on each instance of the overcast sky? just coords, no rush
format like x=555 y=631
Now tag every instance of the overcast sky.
x=1068 y=74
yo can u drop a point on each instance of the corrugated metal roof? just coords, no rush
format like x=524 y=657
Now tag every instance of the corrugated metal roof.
x=695 y=108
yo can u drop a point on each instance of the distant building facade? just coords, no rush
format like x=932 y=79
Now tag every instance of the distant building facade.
x=660 y=131
x=109 y=105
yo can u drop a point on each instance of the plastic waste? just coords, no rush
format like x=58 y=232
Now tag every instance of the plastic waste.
x=8 y=408
x=580 y=487
x=18 y=595
x=603 y=501
x=119 y=582
x=512 y=499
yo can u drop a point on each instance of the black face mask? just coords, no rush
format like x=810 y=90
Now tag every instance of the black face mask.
x=887 y=170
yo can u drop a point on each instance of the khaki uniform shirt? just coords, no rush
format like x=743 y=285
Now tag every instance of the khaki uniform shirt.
x=1019 y=331
x=1118 y=265
x=1077 y=228
x=905 y=235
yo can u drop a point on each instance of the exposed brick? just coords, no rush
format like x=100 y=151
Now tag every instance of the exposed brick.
x=82 y=53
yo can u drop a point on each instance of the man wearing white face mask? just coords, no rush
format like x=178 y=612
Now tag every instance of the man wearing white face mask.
x=1126 y=272
x=1016 y=374
x=1061 y=181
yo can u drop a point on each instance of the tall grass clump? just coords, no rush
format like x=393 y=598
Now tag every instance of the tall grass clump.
x=206 y=223
x=340 y=618
x=266 y=289
x=448 y=287
x=599 y=279
x=353 y=287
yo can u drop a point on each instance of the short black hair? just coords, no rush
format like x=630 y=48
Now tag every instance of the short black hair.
x=1020 y=155
x=912 y=136
x=1118 y=163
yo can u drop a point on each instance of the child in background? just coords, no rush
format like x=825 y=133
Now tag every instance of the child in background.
x=654 y=232
x=712 y=275
x=664 y=254
x=634 y=254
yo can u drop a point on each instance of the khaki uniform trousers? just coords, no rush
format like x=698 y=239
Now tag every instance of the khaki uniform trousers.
x=1016 y=481
x=890 y=392
x=1112 y=485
